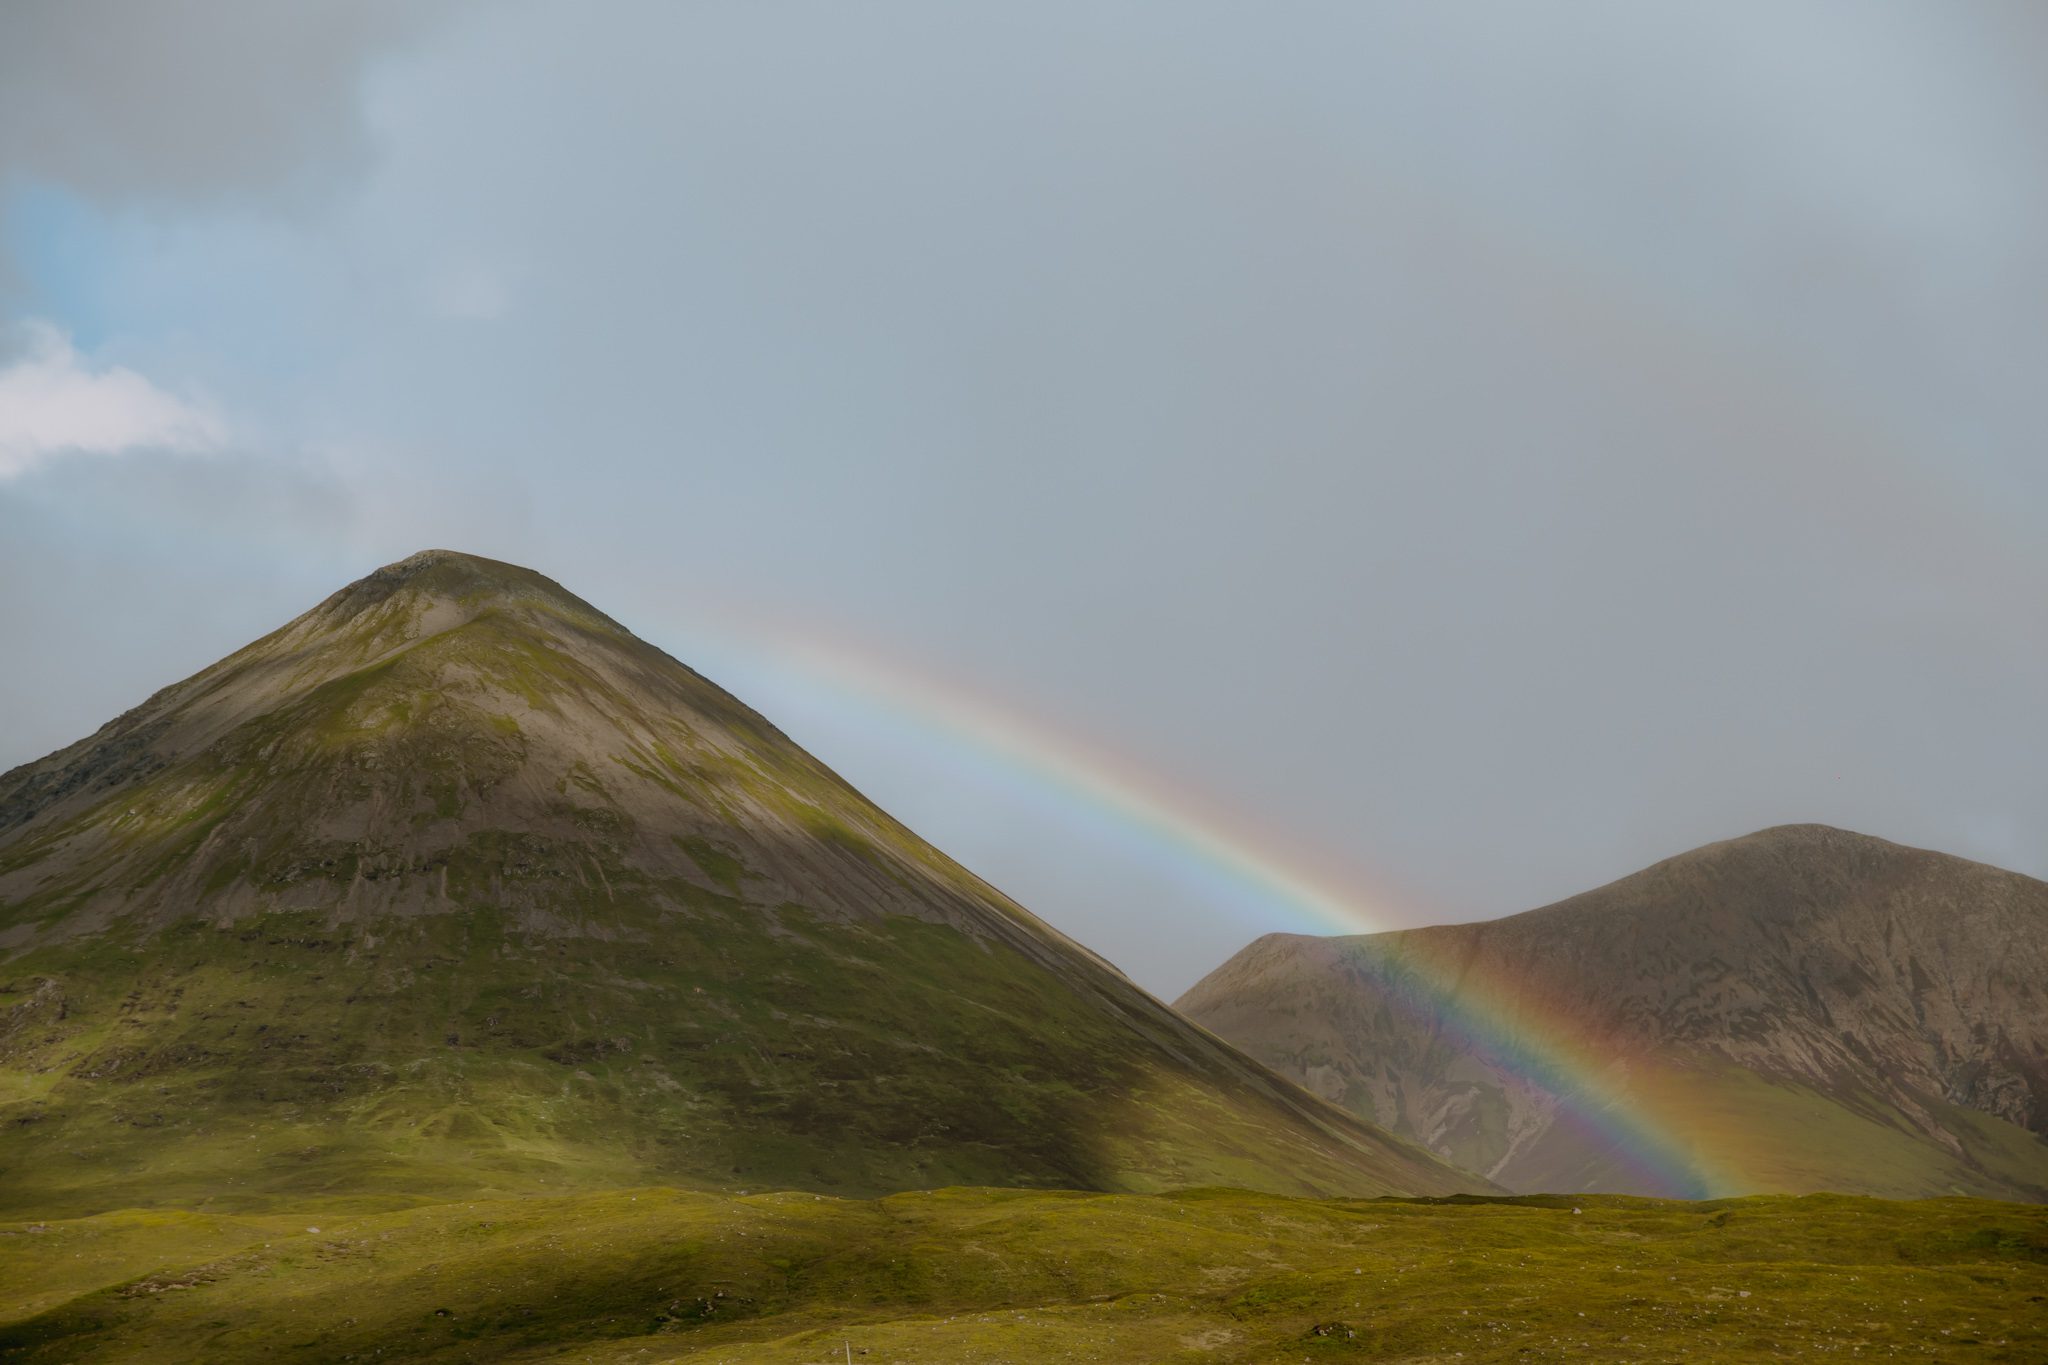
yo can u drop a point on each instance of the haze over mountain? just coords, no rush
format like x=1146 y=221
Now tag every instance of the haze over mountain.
x=453 y=884
x=1800 y=1009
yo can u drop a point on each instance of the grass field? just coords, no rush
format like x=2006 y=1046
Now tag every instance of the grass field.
x=1025 y=1276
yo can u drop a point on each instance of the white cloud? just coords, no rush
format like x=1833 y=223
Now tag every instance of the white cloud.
x=54 y=402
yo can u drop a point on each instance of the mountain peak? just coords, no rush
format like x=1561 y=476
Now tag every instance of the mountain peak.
x=1803 y=838
x=465 y=580
x=437 y=644
x=1802 y=832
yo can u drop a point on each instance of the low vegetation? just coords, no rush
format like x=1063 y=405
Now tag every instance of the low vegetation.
x=1028 y=1276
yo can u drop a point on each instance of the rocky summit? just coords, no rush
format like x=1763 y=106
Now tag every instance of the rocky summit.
x=454 y=886
x=1801 y=1009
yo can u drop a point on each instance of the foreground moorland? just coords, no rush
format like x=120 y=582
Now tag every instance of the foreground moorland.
x=993 y=1275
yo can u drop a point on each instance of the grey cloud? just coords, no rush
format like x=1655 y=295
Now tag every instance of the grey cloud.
x=190 y=98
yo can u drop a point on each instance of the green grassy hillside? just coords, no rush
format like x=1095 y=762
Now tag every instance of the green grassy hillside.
x=450 y=1054
x=984 y=1275
x=453 y=886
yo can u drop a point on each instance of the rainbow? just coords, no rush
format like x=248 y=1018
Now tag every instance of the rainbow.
x=1504 y=1019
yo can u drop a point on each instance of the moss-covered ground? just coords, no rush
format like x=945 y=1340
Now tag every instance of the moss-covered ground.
x=1026 y=1276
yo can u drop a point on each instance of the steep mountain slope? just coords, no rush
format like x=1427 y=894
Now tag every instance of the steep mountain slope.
x=1801 y=1009
x=453 y=884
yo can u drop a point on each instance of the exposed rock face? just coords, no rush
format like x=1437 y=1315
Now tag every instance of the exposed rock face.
x=1801 y=1009
x=453 y=883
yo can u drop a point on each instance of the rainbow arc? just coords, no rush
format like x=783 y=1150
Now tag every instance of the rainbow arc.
x=1487 y=1010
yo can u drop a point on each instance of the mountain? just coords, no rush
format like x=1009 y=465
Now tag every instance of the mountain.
x=1801 y=1009
x=454 y=885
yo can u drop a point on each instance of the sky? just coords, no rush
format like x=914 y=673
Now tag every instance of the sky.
x=1465 y=453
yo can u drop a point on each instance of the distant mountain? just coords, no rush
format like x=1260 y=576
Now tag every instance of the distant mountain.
x=1801 y=1009
x=453 y=884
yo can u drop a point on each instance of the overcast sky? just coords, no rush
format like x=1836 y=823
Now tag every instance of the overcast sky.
x=1484 y=447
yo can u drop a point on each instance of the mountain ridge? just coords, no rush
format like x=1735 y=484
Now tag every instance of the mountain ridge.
x=1797 y=979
